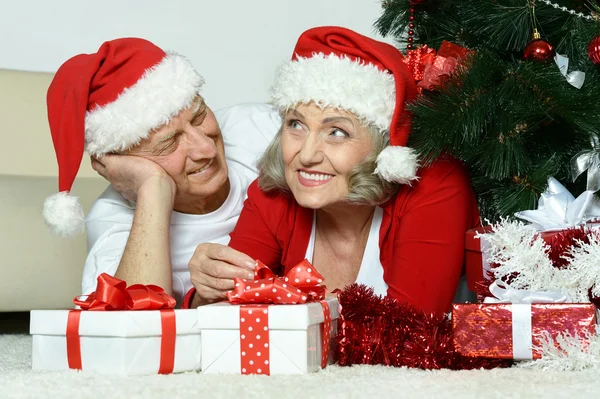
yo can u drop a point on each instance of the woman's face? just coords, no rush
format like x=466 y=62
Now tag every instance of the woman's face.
x=320 y=147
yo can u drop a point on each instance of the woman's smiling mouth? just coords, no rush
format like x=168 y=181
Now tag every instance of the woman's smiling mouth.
x=313 y=178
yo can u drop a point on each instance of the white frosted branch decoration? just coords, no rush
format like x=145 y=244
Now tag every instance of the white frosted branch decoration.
x=566 y=353
x=517 y=252
x=583 y=270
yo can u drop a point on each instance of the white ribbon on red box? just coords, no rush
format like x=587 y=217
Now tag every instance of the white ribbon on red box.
x=504 y=293
x=521 y=300
x=558 y=209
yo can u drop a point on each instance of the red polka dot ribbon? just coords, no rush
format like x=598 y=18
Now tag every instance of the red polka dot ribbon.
x=325 y=334
x=254 y=339
x=301 y=284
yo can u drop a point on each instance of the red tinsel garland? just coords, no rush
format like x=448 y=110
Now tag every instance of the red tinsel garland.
x=378 y=330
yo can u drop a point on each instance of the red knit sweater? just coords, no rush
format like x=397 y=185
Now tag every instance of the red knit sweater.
x=421 y=238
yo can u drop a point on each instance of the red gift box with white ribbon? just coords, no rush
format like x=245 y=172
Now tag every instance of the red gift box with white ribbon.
x=270 y=326
x=558 y=210
x=515 y=330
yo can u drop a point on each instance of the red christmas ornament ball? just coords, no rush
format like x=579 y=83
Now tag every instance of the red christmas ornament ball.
x=594 y=50
x=539 y=50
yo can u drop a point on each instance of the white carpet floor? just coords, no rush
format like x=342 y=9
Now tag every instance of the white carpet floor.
x=18 y=381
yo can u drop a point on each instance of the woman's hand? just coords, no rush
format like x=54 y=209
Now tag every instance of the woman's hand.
x=128 y=173
x=212 y=270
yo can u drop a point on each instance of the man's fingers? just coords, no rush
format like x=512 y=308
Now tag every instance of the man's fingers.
x=99 y=167
x=96 y=164
x=230 y=255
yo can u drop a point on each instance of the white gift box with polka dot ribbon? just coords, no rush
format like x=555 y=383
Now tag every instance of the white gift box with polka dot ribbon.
x=116 y=342
x=268 y=339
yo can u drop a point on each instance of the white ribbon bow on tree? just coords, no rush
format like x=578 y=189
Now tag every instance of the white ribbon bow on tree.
x=558 y=209
x=575 y=78
x=588 y=160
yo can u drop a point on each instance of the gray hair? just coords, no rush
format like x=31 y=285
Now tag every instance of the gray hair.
x=364 y=186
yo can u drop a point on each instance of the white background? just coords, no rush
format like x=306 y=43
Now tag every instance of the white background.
x=236 y=45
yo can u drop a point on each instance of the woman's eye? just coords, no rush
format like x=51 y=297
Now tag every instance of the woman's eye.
x=295 y=124
x=339 y=133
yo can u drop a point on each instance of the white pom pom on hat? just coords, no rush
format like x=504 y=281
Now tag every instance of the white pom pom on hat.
x=337 y=67
x=397 y=164
x=110 y=101
x=63 y=214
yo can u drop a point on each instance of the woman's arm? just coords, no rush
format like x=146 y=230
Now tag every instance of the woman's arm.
x=428 y=237
x=213 y=267
x=255 y=232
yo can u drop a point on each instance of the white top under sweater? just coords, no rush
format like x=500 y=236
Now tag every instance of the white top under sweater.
x=247 y=130
x=371 y=270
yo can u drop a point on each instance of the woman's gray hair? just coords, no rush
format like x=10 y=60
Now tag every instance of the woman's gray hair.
x=364 y=186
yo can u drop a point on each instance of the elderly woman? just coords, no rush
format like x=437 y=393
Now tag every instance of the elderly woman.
x=339 y=187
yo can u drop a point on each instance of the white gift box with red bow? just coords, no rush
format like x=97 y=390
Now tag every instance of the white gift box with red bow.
x=267 y=339
x=116 y=342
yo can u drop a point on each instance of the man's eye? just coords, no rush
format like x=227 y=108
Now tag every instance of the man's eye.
x=198 y=120
x=166 y=148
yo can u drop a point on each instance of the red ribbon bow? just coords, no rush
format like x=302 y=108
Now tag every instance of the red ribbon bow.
x=417 y=59
x=301 y=284
x=430 y=69
x=113 y=294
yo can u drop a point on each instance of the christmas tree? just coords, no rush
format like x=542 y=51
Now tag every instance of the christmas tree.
x=507 y=110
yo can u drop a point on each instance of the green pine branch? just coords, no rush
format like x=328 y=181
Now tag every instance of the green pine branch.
x=513 y=122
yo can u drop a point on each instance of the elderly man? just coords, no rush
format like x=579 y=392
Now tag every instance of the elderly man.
x=176 y=181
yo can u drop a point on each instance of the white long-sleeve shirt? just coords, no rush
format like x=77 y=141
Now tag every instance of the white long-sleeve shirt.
x=247 y=130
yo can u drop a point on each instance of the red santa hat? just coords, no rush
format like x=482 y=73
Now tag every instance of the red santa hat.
x=106 y=102
x=337 y=67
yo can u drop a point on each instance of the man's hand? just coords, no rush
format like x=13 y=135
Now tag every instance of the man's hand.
x=212 y=270
x=128 y=174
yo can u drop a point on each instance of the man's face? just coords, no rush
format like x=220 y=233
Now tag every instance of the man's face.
x=190 y=149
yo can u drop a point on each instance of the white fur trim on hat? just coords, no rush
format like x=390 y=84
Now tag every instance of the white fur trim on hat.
x=332 y=81
x=397 y=164
x=63 y=214
x=160 y=94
